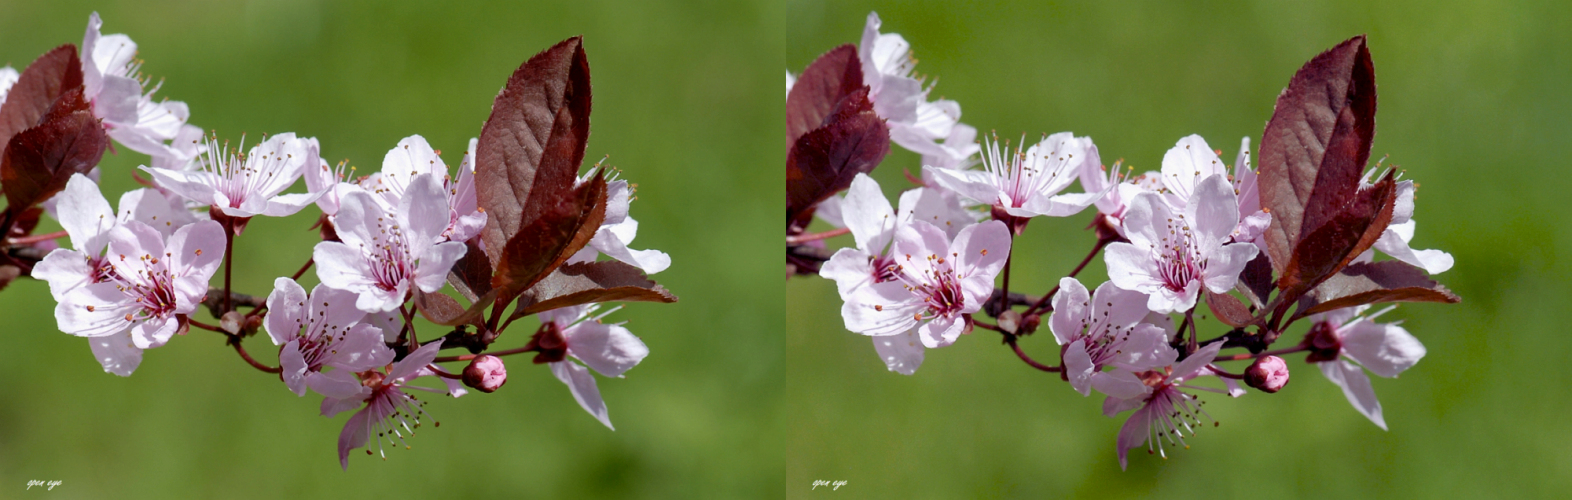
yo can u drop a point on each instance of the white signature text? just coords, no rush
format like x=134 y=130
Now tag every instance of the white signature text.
x=50 y=484
x=835 y=485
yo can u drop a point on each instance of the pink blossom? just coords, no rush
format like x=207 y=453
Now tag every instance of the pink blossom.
x=114 y=87
x=915 y=123
x=617 y=231
x=388 y=410
x=414 y=156
x=1342 y=337
x=383 y=256
x=1171 y=256
x=1027 y=184
x=936 y=282
x=249 y=185
x=320 y=331
x=608 y=348
x=149 y=284
x=1192 y=160
x=1107 y=328
x=87 y=219
x=1395 y=239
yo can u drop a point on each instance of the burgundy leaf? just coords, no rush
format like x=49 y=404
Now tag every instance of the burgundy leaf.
x=1316 y=145
x=38 y=162
x=8 y=273
x=587 y=282
x=471 y=275
x=825 y=160
x=1228 y=309
x=1338 y=241
x=40 y=85
x=820 y=89
x=550 y=239
x=531 y=147
x=444 y=310
x=1377 y=282
x=1256 y=281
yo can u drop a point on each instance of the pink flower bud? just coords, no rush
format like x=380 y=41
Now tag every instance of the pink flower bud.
x=485 y=373
x=1268 y=374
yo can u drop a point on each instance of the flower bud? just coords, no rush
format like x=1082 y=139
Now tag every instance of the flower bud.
x=231 y=322
x=485 y=373
x=1268 y=373
x=1010 y=321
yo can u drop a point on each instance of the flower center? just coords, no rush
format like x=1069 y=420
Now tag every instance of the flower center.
x=240 y=176
x=391 y=262
x=939 y=287
x=1178 y=260
x=152 y=288
x=1019 y=177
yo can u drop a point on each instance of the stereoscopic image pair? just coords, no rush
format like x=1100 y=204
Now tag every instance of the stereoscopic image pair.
x=1176 y=212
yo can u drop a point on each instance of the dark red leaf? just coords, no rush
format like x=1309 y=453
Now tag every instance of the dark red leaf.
x=40 y=85
x=587 y=282
x=550 y=239
x=825 y=160
x=1228 y=309
x=1256 y=281
x=531 y=147
x=820 y=89
x=471 y=275
x=444 y=310
x=1322 y=252
x=1316 y=145
x=1378 y=282
x=38 y=162
x=8 y=273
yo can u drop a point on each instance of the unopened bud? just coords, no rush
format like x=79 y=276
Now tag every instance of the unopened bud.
x=485 y=373
x=1268 y=373
x=1030 y=324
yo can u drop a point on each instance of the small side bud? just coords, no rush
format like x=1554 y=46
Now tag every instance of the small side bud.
x=232 y=322
x=1029 y=324
x=1010 y=321
x=1268 y=374
x=485 y=373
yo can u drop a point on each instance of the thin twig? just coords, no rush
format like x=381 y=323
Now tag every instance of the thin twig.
x=28 y=240
x=467 y=357
x=1101 y=243
x=807 y=237
x=235 y=341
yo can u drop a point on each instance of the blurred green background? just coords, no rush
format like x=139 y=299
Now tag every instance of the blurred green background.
x=1473 y=104
x=687 y=102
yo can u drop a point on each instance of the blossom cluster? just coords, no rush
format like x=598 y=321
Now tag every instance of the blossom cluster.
x=1261 y=247
x=132 y=277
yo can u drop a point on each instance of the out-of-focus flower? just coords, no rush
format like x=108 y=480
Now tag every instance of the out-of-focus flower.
x=898 y=97
x=608 y=348
x=617 y=231
x=113 y=86
x=1341 y=337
